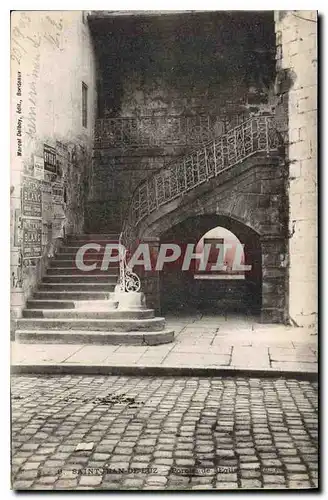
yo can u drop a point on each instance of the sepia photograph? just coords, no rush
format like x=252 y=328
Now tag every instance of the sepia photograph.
x=164 y=250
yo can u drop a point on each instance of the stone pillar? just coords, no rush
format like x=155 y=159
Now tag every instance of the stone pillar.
x=296 y=34
x=274 y=262
x=150 y=280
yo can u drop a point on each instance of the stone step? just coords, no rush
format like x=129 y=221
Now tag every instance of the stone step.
x=94 y=337
x=72 y=263
x=89 y=314
x=93 y=236
x=80 y=278
x=69 y=271
x=89 y=251
x=87 y=256
x=72 y=295
x=73 y=246
x=69 y=304
x=66 y=287
x=104 y=325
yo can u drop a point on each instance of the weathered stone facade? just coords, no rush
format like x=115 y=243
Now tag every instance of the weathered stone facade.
x=51 y=55
x=160 y=86
x=296 y=35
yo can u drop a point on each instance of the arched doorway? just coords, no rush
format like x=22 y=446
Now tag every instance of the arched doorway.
x=236 y=288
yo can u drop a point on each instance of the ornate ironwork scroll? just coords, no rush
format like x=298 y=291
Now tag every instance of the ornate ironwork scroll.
x=128 y=280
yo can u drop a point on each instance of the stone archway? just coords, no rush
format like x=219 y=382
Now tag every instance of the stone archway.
x=252 y=205
x=265 y=283
x=180 y=290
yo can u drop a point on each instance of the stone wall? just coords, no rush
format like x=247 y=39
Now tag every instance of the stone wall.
x=296 y=38
x=116 y=174
x=213 y=64
x=210 y=62
x=51 y=55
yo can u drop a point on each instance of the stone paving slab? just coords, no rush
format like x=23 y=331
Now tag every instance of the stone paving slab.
x=293 y=366
x=91 y=354
x=39 y=352
x=235 y=344
x=196 y=359
x=169 y=433
x=202 y=348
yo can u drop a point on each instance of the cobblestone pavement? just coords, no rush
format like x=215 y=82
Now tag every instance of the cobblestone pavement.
x=119 y=433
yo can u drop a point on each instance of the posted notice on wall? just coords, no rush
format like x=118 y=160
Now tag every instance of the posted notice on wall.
x=49 y=155
x=32 y=238
x=31 y=197
x=47 y=204
x=57 y=193
x=38 y=167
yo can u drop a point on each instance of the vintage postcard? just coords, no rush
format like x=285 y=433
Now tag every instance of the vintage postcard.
x=164 y=250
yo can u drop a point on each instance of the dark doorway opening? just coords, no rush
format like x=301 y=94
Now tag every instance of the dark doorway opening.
x=221 y=292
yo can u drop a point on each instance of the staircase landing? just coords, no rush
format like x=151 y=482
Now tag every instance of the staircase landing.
x=71 y=306
x=204 y=346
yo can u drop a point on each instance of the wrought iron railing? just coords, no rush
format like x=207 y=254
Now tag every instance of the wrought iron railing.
x=156 y=131
x=258 y=134
x=128 y=281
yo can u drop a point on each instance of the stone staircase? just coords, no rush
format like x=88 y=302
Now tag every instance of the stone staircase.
x=72 y=306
